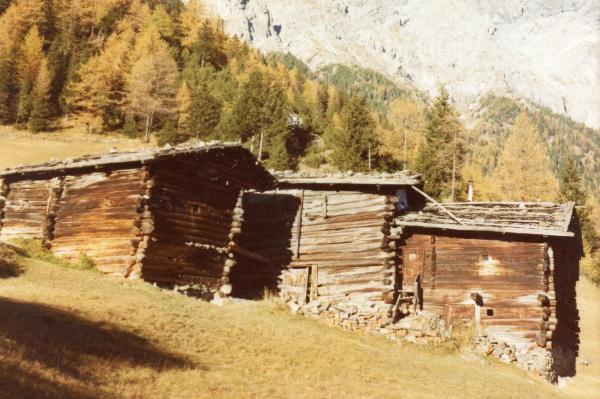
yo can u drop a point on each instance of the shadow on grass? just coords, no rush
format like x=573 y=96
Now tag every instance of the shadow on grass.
x=9 y=267
x=73 y=347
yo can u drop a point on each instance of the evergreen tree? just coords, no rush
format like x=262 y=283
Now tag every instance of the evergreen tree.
x=279 y=158
x=249 y=113
x=30 y=57
x=571 y=190
x=207 y=50
x=355 y=141
x=40 y=112
x=441 y=156
x=204 y=112
x=523 y=173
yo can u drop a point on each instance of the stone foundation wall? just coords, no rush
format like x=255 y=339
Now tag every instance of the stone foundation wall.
x=538 y=361
x=421 y=329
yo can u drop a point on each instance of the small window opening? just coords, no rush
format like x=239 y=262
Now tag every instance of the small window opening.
x=195 y=208
x=489 y=312
x=486 y=258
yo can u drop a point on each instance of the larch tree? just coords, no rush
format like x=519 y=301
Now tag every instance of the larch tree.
x=97 y=94
x=355 y=142
x=523 y=172
x=151 y=84
x=40 y=111
x=440 y=158
x=30 y=57
x=206 y=49
x=403 y=141
x=190 y=21
x=184 y=102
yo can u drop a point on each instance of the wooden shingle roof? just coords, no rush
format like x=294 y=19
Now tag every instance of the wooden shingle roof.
x=230 y=158
x=533 y=218
x=332 y=180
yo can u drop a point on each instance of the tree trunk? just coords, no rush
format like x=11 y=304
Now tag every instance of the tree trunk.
x=405 y=147
x=453 y=167
x=148 y=122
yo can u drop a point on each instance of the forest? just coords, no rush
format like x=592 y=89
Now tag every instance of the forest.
x=165 y=71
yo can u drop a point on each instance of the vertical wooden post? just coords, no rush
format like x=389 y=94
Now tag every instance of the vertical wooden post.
x=260 y=147
x=405 y=147
x=369 y=156
x=454 y=167
x=299 y=224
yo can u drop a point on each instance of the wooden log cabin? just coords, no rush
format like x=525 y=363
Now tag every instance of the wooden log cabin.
x=510 y=267
x=325 y=236
x=375 y=239
x=171 y=216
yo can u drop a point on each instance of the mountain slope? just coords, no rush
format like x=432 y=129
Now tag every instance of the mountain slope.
x=71 y=333
x=545 y=51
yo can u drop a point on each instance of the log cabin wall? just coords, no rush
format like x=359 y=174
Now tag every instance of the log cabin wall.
x=193 y=216
x=563 y=277
x=500 y=282
x=267 y=229
x=339 y=246
x=96 y=216
x=171 y=215
x=24 y=208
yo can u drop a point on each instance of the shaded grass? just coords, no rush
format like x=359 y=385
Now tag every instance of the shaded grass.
x=88 y=335
x=9 y=266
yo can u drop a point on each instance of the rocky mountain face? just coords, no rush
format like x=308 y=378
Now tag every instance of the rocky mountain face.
x=546 y=51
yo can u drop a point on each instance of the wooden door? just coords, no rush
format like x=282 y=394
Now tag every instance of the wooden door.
x=414 y=265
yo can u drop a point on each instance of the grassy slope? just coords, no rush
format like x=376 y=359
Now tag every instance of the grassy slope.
x=71 y=333
x=18 y=147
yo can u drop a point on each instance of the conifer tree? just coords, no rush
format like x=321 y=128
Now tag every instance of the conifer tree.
x=190 y=21
x=152 y=82
x=204 y=112
x=355 y=141
x=571 y=190
x=441 y=156
x=30 y=57
x=206 y=50
x=40 y=112
x=184 y=102
x=249 y=114
x=279 y=158
x=97 y=95
x=523 y=173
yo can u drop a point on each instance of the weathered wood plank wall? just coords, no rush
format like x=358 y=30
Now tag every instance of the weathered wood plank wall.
x=25 y=209
x=341 y=237
x=266 y=230
x=188 y=208
x=507 y=275
x=96 y=216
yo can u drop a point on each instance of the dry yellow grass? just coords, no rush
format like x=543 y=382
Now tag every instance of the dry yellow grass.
x=20 y=147
x=72 y=333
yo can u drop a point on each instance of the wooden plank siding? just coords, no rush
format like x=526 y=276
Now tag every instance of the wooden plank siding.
x=25 y=209
x=507 y=274
x=338 y=235
x=96 y=217
x=189 y=208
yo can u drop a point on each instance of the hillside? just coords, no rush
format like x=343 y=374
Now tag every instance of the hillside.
x=17 y=147
x=73 y=333
x=544 y=51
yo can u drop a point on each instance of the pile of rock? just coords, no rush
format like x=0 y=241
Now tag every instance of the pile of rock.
x=537 y=361
x=374 y=317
